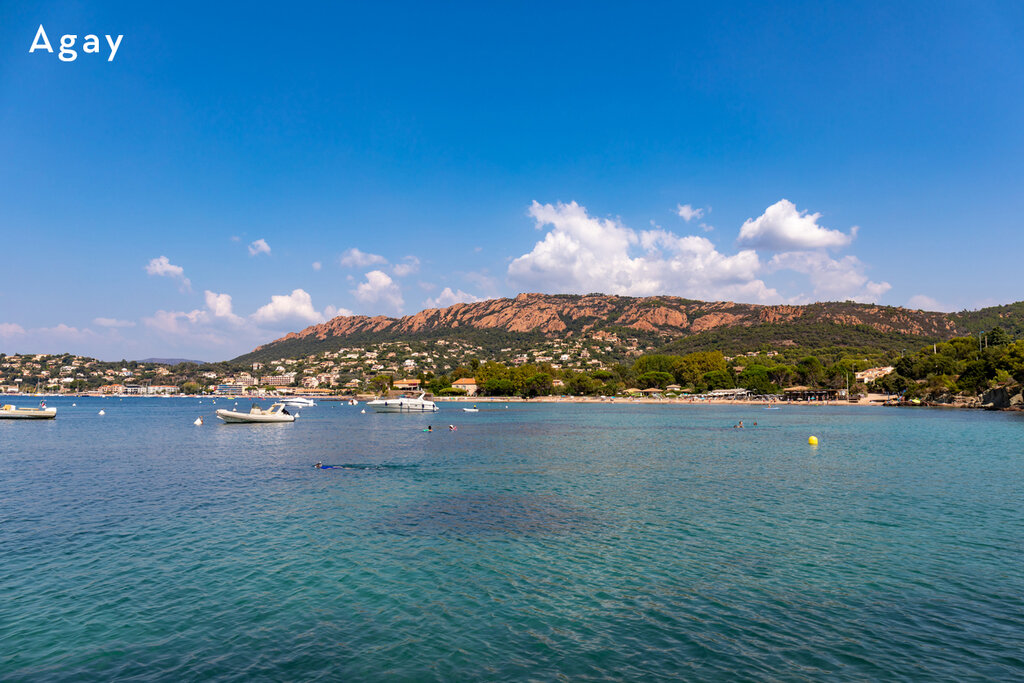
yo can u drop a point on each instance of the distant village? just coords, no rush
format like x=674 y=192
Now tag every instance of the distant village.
x=347 y=370
x=448 y=367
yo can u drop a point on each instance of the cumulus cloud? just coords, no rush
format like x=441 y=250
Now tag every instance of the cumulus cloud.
x=410 y=265
x=62 y=330
x=585 y=254
x=174 y=322
x=832 y=278
x=379 y=288
x=260 y=246
x=161 y=266
x=11 y=329
x=688 y=213
x=112 y=322
x=294 y=307
x=353 y=258
x=317 y=265
x=782 y=227
x=336 y=311
x=219 y=305
x=447 y=297
x=924 y=302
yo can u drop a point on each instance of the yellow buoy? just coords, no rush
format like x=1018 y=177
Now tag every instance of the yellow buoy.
x=813 y=440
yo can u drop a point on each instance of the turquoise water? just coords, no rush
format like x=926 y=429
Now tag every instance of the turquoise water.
x=539 y=541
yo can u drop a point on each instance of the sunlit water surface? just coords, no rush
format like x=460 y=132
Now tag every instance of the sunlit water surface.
x=536 y=541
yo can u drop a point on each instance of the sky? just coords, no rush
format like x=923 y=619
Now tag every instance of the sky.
x=230 y=176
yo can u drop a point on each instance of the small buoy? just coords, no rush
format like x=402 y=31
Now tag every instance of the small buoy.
x=73 y=405
x=199 y=421
x=813 y=440
x=363 y=412
x=103 y=412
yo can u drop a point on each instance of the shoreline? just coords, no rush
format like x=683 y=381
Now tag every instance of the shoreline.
x=871 y=400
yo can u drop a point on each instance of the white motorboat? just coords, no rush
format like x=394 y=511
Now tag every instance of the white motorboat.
x=9 y=412
x=474 y=409
x=275 y=413
x=298 y=402
x=405 y=404
x=353 y=402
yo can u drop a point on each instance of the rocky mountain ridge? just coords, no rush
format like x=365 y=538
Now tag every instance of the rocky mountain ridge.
x=664 y=318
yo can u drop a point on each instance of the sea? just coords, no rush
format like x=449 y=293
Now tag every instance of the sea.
x=574 y=542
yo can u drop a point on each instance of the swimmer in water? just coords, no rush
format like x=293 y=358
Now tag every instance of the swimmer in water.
x=740 y=425
x=452 y=428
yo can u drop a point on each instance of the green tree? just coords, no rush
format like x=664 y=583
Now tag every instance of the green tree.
x=998 y=337
x=810 y=371
x=381 y=384
x=755 y=378
x=498 y=386
x=718 y=379
x=539 y=384
x=691 y=368
x=655 y=379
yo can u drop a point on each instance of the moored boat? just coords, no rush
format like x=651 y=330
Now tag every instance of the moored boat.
x=275 y=413
x=10 y=412
x=298 y=402
x=404 y=404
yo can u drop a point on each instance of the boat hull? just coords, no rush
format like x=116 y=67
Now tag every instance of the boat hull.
x=234 y=417
x=11 y=413
x=399 y=406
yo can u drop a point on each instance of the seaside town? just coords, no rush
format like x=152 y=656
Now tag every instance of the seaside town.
x=598 y=365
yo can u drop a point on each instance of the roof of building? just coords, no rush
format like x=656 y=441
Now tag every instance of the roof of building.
x=464 y=380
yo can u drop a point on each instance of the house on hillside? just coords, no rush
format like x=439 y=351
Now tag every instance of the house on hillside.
x=406 y=385
x=467 y=384
x=871 y=374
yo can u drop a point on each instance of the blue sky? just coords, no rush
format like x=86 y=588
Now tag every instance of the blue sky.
x=232 y=176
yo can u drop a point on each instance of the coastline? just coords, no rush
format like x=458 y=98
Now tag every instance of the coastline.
x=871 y=400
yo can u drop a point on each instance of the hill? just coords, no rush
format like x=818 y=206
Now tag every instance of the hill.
x=669 y=323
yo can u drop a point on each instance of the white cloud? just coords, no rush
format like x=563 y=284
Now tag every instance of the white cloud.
x=317 y=265
x=688 y=213
x=11 y=329
x=260 y=246
x=379 y=288
x=706 y=228
x=162 y=267
x=447 y=297
x=173 y=322
x=220 y=306
x=66 y=331
x=112 y=322
x=924 y=302
x=294 y=307
x=353 y=258
x=833 y=279
x=194 y=327
x=483 y=281
x=411 y=265
x=784 y=228
x=584 y=254
x=335 y=311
